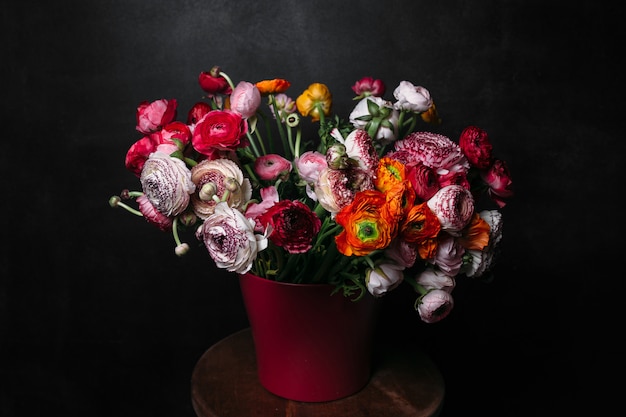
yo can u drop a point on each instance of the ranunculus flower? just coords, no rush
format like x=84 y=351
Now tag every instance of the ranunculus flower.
x=230 y=239
x=383 y=278
x=139 y=152
x=152 y=116
x=481 y=261
x=284 y=104
x=449 y=254
x=269 y=197
x=315 y=101
x=274 y=86
x=420 y=228
x=245 y=99
x=476 y=234
x=221 y=180
x=431 y=279
x=154 y=216
x=359 y=147
x=213 y=83
x=412 y=98
x=435 y=306
x=454 y=206
x=166 y=182
x=271 y=167
x=423 y=179
x=367 y=224
x=377 y=117
x=292 y=225
x=336 y=188
x=175 y=131
x=498 y=178
x=309 y=165
x=223 y=130
x=476 y=146
x=433 y=150
x=401 y=252
x=197 y=112
x=368 y=86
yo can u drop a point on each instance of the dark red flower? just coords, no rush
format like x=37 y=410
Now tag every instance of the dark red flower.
x=292 y=224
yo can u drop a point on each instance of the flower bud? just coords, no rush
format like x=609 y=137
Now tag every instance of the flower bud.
x=207 y=191
x=181 y=249
x=231 y=184
x=188 y=218
x=336 y=157
x=293 y=120
x=114 y=200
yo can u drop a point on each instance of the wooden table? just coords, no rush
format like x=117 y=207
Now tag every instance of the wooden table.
x=224 y=383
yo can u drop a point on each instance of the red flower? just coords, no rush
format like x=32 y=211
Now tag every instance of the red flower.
x=223 y=130
x=139 y=151
x=152 y=116
x=476 y=146
x=292 y=225
x=213 y=83
x=498 y=178
x=197 y=112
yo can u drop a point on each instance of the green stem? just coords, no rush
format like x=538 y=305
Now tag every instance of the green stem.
x=230 y=82
x=130 y=209
x=255 y=150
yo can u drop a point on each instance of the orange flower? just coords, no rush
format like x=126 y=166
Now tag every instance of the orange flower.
x=431 y=116
x=314 y=101
x=475 y=236
x=275 y=86
x=367 y=222
x=421 y=227
x=400 y=199
x=389 y=173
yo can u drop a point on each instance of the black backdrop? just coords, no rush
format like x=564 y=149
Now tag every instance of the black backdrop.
x=99 y=318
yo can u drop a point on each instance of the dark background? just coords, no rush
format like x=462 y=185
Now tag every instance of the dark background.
x=99 y=318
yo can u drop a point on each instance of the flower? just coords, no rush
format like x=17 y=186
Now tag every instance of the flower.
x=369 y=203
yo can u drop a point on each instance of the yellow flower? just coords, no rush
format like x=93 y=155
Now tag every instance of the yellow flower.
x=314 y=101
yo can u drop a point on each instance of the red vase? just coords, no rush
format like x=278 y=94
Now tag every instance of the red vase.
x=310 y=346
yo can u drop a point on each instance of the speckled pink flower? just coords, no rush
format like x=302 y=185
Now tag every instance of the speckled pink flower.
x=433 y=150
x=454 y=206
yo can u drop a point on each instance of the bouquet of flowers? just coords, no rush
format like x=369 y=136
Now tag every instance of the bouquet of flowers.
x=366 y=203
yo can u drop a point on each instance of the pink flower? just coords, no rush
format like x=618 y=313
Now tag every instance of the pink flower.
x=285 y=106
x=222 y=130
x=152 y=116
x=435 y=306
x=433 y=150
x=230 y=239
x=269 y=197
x=176 y=131
x=383 y=278
x=412 y=98
x=152 y=215
x=498 y=178
x=454 y=206
x=401 y=252
x=309 y=165
x=292 y=225
x=476 y=146
x=368 y=86
x=271 y=167
x=166 y=182
x=245 y=99
x=449 y=255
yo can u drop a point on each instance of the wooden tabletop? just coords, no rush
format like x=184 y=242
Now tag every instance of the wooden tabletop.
x=404 y=383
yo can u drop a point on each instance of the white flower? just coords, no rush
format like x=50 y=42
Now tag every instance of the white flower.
x=482 y=261
x=431 y=279
x=166 y=182
x=385 y=277
x=386 y=117
x=230 y=239
x=413 y=98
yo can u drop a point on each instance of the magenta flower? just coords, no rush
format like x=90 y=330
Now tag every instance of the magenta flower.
x=245 y=99
x=433 y=150
x=152 y=215
x=498 y=178
x=368 y=86
x=292 y=225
